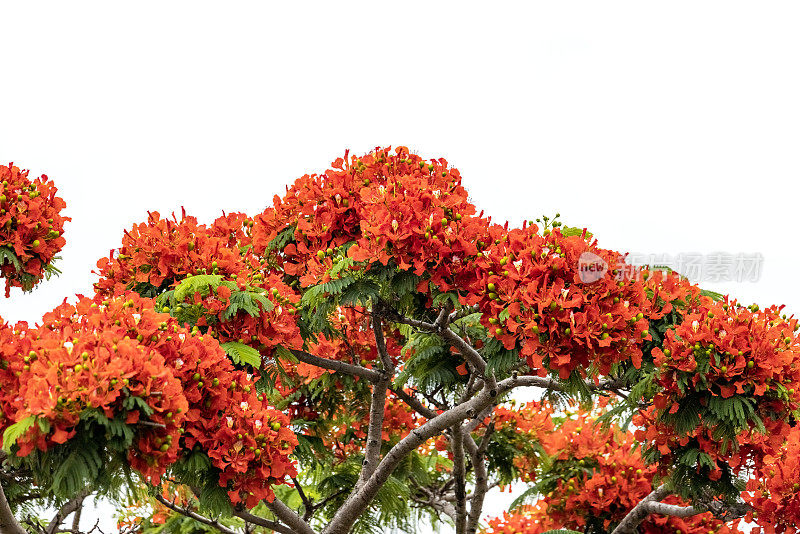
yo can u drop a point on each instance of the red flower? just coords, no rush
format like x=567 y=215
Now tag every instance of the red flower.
x=31 y=227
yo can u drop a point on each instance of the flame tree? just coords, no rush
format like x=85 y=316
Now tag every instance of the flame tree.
x=344 y=361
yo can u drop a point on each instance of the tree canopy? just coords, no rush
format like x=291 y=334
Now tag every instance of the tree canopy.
x=345 y=361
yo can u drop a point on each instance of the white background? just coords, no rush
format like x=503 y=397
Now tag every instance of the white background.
x=665 y=128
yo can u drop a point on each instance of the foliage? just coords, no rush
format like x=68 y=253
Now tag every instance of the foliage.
x=288 y=354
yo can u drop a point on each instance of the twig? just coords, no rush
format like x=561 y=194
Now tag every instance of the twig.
x=414 y=403
x=262 y=522
x=469 y=353
x=335 y=365
x=151 y=423
x=193 y=515
x=289 y=517
x=308 y=504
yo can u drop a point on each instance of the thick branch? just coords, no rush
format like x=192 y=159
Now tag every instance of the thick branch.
x=357 y=502
x=476 y=453
x=476 y=421
x=459 y=476
x=76 y=519
x=444 y=316
x=640 y=512
x=335 y=365
x=289 y=516
x=197 y=517
x=8 y=524
x=372 y=453
x=262 y=522
x=73 y=505
x=672 y=509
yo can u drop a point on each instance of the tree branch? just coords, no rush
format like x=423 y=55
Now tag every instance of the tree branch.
x=672 y=509
x=76 y=520
x=640 y=512
x=477 y=453
x=359 y=500
x=73 y=505
x=459 y=476
x=440 y=327
x=470 y=426
x=444 y=316
x=372 y=454
x=380 y=344
x=463 y=312
x=652 y=505
x=438 y=505
x=414 y=403
x=8 y=523
x=289 y=517
x=193 y=515
x=308 y=504
x=335 y=365
x=262 y=522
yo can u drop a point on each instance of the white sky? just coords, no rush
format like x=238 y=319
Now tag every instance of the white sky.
x=664 y=128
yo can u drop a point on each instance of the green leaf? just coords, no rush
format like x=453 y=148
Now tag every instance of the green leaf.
x=713 y=294
x=16 y=431
x=215 y=499
x=239 y=353
x=568 y=231
x=7 y=255
x=44 y=425
x=283 y=238
x=137 y=403
x=250 y=302
x=201 y=283
x=79 y=468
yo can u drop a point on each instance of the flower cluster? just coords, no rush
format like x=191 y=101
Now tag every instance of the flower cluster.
x=525 y=520
x=602 y=477
x=669 y=292
x=245 y=438
x=160 y=252
x=248 y=302
x=394 y=205
x=533 y=293
x=611 y=477
x=261 y=315
x=69 y=367
x=348 y=436
x=31 y=227
x=526 y=426
x=735 y=368
x=775 y=493
x=99 y=354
